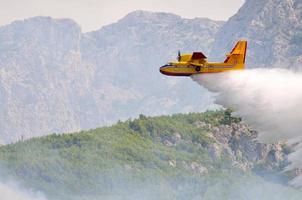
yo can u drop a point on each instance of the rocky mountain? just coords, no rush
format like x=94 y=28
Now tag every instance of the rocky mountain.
x=211 y=155
x=39 y=62
x=54 y=78
x=273 y=29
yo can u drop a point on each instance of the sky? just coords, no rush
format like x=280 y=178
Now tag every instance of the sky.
x=93 y=14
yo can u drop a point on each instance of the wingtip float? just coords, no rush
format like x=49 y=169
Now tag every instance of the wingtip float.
x=196 y=63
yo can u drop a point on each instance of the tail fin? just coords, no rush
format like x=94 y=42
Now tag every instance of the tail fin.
x=237 y=55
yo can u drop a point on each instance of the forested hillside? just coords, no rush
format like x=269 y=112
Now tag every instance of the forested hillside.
x=210 y=155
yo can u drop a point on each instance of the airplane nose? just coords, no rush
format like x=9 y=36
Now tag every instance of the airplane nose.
x=162 y=69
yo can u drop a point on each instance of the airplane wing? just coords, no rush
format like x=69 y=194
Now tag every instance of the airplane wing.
x=198 y=59
x=198 y=56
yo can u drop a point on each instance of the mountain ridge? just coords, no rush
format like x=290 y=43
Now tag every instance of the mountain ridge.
x=54 y=78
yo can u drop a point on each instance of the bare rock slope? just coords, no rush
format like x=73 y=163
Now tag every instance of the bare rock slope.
x=273 y=29
x=54 y=78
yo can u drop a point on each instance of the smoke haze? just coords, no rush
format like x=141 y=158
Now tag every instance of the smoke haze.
x=270 y=100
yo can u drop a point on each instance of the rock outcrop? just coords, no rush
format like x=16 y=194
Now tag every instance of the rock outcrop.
x=237 y=143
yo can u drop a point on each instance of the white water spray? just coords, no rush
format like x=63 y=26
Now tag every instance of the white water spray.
x=270 y=100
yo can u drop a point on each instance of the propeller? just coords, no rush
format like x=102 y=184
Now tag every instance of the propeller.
x=179 y=56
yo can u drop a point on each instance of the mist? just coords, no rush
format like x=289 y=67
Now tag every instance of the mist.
x=11 y=191
x=269 y=100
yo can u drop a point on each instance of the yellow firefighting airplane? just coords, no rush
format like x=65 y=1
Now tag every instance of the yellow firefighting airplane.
x=196 y=63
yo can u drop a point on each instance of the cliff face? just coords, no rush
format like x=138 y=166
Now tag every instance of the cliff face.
x=39 y=70
x=238 y=142
x=273 y=29
x=53 y=78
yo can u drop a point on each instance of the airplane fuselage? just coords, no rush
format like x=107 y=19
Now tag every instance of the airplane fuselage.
x=196 y=63
x=176 y=69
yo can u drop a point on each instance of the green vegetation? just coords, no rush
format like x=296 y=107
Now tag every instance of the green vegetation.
x=85 y=161
x=152 y=156
x=228 y=119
